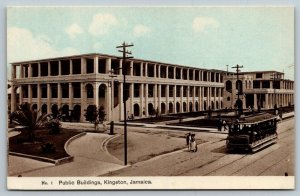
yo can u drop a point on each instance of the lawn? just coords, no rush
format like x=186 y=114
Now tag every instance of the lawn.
x=20 y=144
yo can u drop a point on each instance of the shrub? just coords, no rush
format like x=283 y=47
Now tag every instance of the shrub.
x=48 y=147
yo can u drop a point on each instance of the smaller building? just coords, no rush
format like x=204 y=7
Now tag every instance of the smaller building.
x=259 y=89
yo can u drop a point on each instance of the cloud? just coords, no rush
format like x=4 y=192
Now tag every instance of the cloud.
x=102 y=23
x=73 y=30
x=202 y=23
x=23 y=45
x=140 y=30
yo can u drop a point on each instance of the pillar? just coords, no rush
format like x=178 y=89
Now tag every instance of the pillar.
x=49 y=71
x=13 y=98
x=200 y=99
x=70 y=96
x=255 y=101
x=181 y=98
x=174 y=98
x=155 y=95
x=39 y=96
x=29 y=93
x=59 y=97
x=159 y=98
x=71 y=69
x=109 y=97
x=121 y=102
x=59 y=68
x=48 y=98
x=96 y=65
x=188 y=97
x=142 y=100
x=29 y=71
x=167 y=98
x=131 y=96
x=146 y=100
x=194 y=95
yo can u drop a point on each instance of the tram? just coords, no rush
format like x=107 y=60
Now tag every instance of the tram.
x=252 y=133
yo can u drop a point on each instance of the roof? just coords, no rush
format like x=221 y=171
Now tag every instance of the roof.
x=257 y=118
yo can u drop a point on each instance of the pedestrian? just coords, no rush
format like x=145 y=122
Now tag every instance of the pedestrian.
x=225 y=125
x=219 y=125
x=188 y=141
x=193 y=144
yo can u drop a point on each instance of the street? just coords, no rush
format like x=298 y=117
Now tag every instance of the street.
x=213 y=160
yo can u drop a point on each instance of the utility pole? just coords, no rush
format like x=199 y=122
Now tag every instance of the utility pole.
x=239 y=102
x=275 y=78
x=125 y=53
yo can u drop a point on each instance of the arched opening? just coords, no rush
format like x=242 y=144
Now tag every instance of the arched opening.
x=76 y=113
x=136 y=110
x=150 y=109
x=34 y=107
x=221 y=104
x=44 y=109
x=217 y=105
x=197 y=106
x=54 y=110
x=191 y=107
x=184 y=107
x=212 y=105
x=228 y=85
x=204 y=105
x=102 y=95
x=171 y=109
x=177 y=107
x=163 y=108
x=65 y=113
x=89 y=91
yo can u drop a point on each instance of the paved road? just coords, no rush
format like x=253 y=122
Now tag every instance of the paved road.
x=211 y=159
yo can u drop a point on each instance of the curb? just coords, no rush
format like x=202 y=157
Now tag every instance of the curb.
x=71 y=139
x=44 y=159
x=104 y=147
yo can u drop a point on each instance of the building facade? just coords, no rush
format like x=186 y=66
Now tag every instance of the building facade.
x=263 y=89
x=73 y=83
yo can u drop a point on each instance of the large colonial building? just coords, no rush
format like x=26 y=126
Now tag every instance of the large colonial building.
x=72 y=83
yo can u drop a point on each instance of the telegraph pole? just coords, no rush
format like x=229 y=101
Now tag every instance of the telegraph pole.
x=275 y=78
x=125 y=53
x=239 y=103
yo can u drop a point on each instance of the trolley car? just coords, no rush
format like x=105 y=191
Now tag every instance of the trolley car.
x=252 y=133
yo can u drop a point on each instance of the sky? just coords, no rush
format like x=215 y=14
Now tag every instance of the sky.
x=259 y=38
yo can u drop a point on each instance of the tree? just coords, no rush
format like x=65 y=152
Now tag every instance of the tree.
x=101 y=114
x=30 y=119
x=91 y=113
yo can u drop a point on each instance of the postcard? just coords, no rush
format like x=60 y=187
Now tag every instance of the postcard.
x=186 y=97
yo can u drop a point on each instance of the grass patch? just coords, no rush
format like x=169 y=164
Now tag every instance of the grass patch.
x=20 y=144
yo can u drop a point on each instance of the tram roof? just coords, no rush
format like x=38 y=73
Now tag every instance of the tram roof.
x=257 y=118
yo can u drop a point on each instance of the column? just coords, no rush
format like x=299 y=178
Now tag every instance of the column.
x=174 y=99
x=200 y=99
x=131 y=68
x=109 y=97
x=29 y=93
x=146 y=100
x=194 y=96
x=167 y=98
x=13 y=98
x=39 y=97
x=39 y=69
x=59 y=98
x=83 y=67
x=159 y=98
x=70 y=96
x=82 y=101
x=131 y=96
x=181 y=72
x=59 y=68
x=96 y=95
x=21 y=71
x=146 y=69
x=121 y=102
x=155 y=74
x=48 y=98
x=142 y=100
x=13 y=72
x=188 y=96
x=167 y=72
x=107 y=65
x=181 y=99
x=29 y=71
x=155 y=95
x=194 y=78
x=174 y=74
x=96 y=65
x=158 y=71
x=21 y=95
x=141 y=72
x=255 y=101
x=71 y=67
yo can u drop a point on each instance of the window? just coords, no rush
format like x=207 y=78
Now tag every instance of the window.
x=259 y=75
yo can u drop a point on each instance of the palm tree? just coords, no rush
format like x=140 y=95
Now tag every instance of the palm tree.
x=30 y=119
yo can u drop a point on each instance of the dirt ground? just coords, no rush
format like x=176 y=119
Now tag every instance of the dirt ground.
x=144 y=144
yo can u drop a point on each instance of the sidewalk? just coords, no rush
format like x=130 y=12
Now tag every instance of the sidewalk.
x=90 y=159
